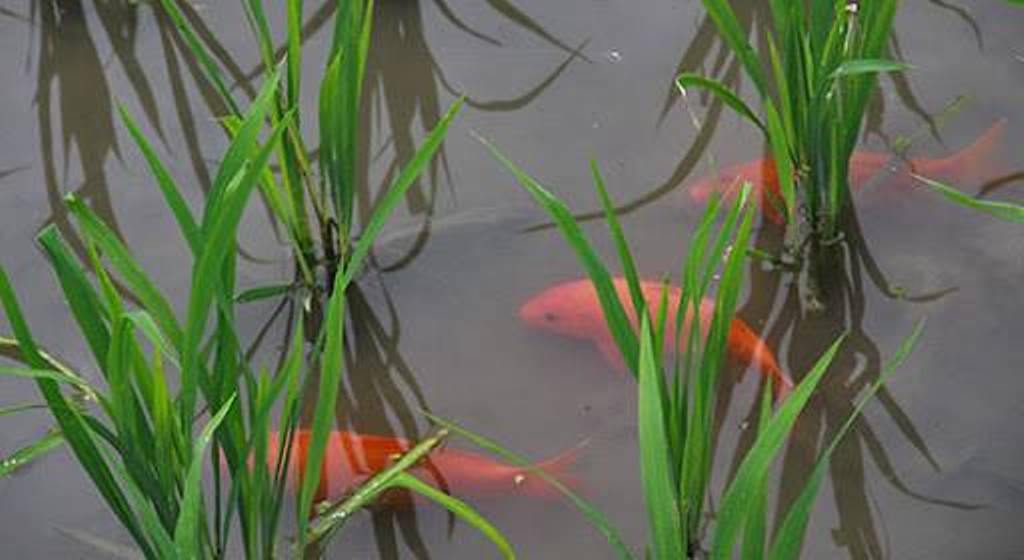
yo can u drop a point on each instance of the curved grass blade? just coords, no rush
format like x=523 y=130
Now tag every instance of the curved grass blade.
x=1002 y=210
x=733 y=511
x=868 y=66
x=596 y=518
x=323 y=412
x=721 y=91
x=337 y=515
x=74 y=427
x=263 y=292
x=186 y=532
x=621 y=245
x=614 y=313
x=790 y=534
x=382 y=211
x=168 y=187
x=23 y=407
x=666 y=526
x=460 y=509
x=30 y=453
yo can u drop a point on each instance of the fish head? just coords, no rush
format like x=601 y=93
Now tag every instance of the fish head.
x=571 y=309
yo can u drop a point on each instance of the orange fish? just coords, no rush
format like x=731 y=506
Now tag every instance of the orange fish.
x=573 y=309
x=972 y=163
x=351 y=459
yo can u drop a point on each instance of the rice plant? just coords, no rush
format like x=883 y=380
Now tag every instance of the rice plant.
x=814 y=83
x=676 y=404
x=133 y=432
x=315 y=203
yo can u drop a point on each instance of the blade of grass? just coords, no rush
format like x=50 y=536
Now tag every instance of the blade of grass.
x=721 y=91
x=666 y=526
x=790 y=534
x=611 y=305
x=1002 y=210
x=186 y=533
x=323 y=412
x=338 y=514
x=460 y=509
x=30 y=453
x=733 y=510
x=72 y=425
x=382 y=210
x=593 y=515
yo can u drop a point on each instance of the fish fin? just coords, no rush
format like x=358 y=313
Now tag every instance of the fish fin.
x=611 y=353
x=973 y=163
x=782 y=384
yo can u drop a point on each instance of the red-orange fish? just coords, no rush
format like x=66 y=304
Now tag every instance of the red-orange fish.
x=573 y=309
x=351 y=459
x=972 y=163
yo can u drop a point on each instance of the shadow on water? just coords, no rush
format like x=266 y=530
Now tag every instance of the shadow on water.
x=379 y=387
x=403 y=82
x=779 y=302
x=73 y=96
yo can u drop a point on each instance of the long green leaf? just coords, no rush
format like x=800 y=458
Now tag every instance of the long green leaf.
x=667 y=529
x=324 y=409
x=733 y=510
x=790 y=534
x=382 y=211
x=30 y=453
x=868 y=66
x=76 y=432
x=186 y=533
x=460 y=509
x=721 y=91
x=593 y=515
x=1002 y=210
x=611 y=305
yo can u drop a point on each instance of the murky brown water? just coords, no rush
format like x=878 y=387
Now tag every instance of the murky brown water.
x=933 y=470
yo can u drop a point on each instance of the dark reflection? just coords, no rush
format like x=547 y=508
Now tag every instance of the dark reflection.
x=381 y=396
x=72 y=96
x=999 y=183
x=402 y=84
x=779 y=301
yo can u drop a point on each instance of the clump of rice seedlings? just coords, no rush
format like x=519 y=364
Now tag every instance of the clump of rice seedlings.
x=166 y=375
x=676 y=404
x=315 y=204
x=813 y=84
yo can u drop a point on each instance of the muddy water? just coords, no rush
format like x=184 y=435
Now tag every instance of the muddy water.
x=933 y=470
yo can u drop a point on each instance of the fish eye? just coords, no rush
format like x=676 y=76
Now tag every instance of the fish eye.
x=550 y=317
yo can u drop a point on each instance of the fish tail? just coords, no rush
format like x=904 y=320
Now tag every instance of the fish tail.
x=782 y=384
x=973 y=163
x=558 y=468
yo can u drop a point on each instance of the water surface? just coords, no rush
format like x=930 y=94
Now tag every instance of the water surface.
x=932 y=471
